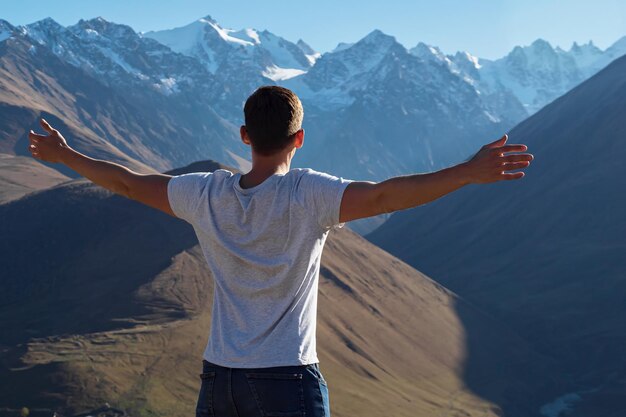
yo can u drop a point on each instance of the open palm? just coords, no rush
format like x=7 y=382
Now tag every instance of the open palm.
x=490 y=163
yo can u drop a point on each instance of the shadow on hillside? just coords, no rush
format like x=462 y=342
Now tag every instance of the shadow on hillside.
x=61 y=255
x=502 y=368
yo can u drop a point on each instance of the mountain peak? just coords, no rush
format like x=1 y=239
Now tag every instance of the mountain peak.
x=378 y=35
x=306 y=48
x=541 y=44
x=578 y=49
x=101 y=21
x=250 y=35
x=5 y=24
x=42 y=31
x=464 y=56
x=103 y=27
x=537 y=50
x=424 y=50
x=620 y=43
x=209 y=18
x=6 y=29
x=47 y=22
x=341 y=46
x=377 y=40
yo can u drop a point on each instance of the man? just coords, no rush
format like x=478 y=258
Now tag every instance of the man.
x=262 y=234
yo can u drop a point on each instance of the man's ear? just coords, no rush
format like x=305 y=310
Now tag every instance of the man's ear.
x=299 y=138
x=244 y=135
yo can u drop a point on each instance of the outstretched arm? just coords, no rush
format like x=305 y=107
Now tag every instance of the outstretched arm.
x=149 y=189
x=490 y=164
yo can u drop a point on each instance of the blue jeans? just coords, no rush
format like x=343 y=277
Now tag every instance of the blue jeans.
x=281 y=391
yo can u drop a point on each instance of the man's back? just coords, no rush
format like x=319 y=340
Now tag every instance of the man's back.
x=263 y=245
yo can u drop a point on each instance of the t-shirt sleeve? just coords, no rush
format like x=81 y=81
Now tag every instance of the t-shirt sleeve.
x=322 y=193
x=185 y=192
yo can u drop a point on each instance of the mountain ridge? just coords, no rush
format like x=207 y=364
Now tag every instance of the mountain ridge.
x=109 y=51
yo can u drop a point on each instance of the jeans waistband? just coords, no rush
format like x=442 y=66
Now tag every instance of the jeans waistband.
x=284 y=367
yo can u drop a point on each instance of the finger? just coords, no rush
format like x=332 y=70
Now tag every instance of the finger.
x=32 y=148
x=35 y=136
x=514 y=165
x=46 y=126
x=510 y=148
x=498 y=142
x=512 y=176
x=517 y=157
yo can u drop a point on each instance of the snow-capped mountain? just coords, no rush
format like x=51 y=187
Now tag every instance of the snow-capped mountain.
x=430 y=53
x=309 y=52
x=337 y=75
x=216 y=47
x=500 y=102
x=130 y=92
x=406 y=102
x=587 y=56
x=535 y=74
x=240 y=60
x=373 y=108
x=118 y=56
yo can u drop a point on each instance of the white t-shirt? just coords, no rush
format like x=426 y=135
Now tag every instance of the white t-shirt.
x=263 y=245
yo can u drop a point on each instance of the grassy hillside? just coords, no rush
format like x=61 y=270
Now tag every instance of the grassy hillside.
x=106 y=301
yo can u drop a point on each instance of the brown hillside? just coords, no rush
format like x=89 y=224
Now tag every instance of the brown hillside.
x=20 y=175
x=107 y=301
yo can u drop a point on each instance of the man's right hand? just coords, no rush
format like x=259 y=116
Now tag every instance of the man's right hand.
x=48 y=147
x=490 y=164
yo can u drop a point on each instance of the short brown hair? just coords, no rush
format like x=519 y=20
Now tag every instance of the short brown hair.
x=273 y=115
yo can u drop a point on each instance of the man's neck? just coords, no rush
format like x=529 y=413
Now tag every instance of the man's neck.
x=264 y=167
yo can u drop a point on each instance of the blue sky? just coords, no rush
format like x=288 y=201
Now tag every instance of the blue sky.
x=487 y=28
